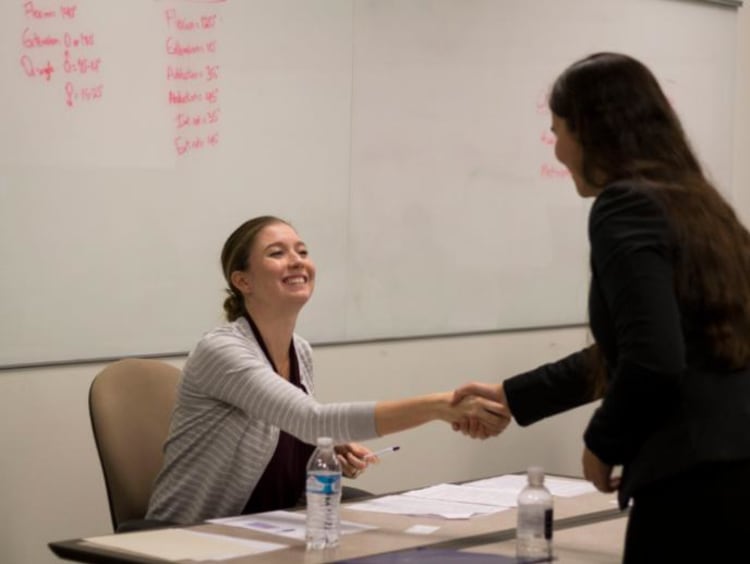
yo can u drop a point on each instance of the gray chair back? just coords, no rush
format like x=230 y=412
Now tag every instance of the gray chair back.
x=130 y=404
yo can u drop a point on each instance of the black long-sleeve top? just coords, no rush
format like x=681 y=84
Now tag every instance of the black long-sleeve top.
x=666 y=407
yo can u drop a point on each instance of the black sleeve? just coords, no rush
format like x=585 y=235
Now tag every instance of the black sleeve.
x=549 y=389
x=632 y=268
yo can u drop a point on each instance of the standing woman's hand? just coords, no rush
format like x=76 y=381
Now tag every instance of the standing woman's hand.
x=599 y=473
x=353 y=458
x=483 y=417
x=493 y=392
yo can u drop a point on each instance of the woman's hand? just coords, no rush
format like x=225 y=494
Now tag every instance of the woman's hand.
x=481 y=417
x=354 y=459
x=471 y=426
x=599 y=473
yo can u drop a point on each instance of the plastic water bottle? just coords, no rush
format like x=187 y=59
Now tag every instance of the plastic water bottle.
x=534 y=528
x=323 y=497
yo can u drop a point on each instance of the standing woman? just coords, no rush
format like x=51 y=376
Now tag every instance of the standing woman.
x=245 y=421
x=669 y=309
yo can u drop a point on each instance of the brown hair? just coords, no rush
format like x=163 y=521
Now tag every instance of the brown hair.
x=235 y=255
x=627 y=129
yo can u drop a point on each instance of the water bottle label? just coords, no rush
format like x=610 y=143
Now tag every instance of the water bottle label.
x=548 y=524
x=323 y=484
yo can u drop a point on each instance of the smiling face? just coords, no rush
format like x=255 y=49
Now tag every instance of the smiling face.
x=280 y=273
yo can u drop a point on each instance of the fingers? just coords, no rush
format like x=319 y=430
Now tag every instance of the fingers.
x=479 y=417
x=491 y=413
x=489 y=391
x=476 y=429
x=494 y=407
x=359 y=451
x=353 y=458
x=481 y=409
x=482 y=431
x=598 y=472
x=351 y=468
x=347 y=469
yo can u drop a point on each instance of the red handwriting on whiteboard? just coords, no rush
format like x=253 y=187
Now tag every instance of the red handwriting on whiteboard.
x=183 y=145
x=182 y=73
x=542 y=102
x=192 y=48
x=78 y=40
x=553 y=171
x=184 y=119
x=547 y=138
x=82 y=65
x=212 y=72
x=179 y=98
x=66 y=49
x=44 y=71
x=33 y=12
x=82 y=94
x=68 y=12
x=30 y=39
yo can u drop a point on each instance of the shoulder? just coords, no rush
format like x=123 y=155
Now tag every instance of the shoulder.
x=627 y=216
x=625 y=201
x=228 y=339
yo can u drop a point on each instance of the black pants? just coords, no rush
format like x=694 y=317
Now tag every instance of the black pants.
x=700 y=516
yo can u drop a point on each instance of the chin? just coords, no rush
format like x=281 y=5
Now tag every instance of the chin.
x=584 y=190
x=302 y=296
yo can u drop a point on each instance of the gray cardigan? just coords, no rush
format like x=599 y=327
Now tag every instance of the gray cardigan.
x=225 y=425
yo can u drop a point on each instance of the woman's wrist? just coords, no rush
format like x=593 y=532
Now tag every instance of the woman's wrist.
x=441 y=406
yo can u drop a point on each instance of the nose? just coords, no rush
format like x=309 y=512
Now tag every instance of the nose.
x=295 y=259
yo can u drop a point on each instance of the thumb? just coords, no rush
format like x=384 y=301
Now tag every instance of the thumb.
x=470 y=389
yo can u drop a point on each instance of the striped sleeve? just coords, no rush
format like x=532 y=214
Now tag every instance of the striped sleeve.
x=238 y=374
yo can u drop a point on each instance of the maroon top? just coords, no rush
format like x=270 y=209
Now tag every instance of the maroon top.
x=283 y=481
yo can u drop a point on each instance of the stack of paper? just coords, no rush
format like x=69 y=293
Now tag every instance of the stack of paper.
x=481 y=497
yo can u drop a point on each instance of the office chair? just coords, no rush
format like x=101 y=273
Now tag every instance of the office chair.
x=130 y=404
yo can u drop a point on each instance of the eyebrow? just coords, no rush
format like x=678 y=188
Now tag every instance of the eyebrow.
x=281 y=244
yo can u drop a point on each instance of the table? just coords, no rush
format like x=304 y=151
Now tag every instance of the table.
x=596 y=542
x=481 y=533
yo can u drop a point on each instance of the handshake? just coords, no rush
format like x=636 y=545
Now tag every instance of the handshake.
x=479 y=410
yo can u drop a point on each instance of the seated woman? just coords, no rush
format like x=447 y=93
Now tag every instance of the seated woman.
x=245 y=420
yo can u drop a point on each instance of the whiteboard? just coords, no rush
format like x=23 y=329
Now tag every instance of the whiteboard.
x=406 y=140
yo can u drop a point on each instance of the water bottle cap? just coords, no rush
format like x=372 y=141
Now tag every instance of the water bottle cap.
x=325 y=441
x=536 y=475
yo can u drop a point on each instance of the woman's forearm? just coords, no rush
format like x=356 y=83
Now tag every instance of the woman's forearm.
x=398 y=415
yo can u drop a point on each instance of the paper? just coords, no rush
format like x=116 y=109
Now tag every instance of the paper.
x=184 y=544
x=451 y=501
x=561 y=487
x=568 y=487
x=283 y=523
x=421 y=529
x=469 y=494
x=405 y=504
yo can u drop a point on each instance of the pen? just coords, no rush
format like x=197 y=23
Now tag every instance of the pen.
x=383 y=451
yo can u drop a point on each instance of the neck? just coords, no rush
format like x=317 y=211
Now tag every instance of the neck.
x=277 y=329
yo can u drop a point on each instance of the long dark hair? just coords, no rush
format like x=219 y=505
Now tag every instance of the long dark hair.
x=627 y=129
x=235 y=255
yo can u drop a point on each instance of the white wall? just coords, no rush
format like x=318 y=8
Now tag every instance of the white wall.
x=741 y=180
x=50 y=481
